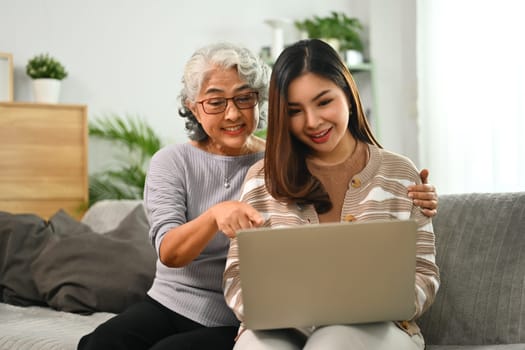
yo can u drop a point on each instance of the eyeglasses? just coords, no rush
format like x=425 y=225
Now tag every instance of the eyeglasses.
x=216 y=105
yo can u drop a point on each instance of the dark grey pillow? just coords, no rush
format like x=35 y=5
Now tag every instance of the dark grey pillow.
x=89 y=272
x=63 y=224
x=480 y=240
x=22 y=237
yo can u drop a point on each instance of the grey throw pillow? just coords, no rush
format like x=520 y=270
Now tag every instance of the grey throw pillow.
x=90 y=272
x=62 y=224
x=22 y=238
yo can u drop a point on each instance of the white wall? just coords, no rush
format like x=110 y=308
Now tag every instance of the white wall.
x=472 y=108
x=393 y=48
x=127 y=56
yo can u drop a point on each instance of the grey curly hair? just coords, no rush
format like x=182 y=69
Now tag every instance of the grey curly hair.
x=251 y=69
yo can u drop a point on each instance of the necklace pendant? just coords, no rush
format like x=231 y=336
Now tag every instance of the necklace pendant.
x=227 y=184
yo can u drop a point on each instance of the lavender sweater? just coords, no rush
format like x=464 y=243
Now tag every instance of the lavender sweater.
x=182 y=182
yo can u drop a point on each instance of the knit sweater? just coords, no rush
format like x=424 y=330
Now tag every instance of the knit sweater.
x=378 y=192
x=183 y=182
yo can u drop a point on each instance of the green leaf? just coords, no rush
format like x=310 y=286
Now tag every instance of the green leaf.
x=337 y=26
x=140 y=141
x=45 y=66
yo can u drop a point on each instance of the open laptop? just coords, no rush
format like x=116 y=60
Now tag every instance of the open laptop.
x=334 y=273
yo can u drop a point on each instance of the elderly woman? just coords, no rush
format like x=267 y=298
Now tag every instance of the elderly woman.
x=191 y=190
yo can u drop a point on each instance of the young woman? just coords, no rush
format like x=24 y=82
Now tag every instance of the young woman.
x=323 y=164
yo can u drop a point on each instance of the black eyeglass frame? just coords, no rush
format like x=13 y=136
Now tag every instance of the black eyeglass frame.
x=226 y=99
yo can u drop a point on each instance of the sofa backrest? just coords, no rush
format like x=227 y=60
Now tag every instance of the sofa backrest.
x=106 y=215
x=480 y=240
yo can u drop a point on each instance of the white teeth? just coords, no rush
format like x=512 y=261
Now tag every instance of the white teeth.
x=233 y=128
x=321 y=134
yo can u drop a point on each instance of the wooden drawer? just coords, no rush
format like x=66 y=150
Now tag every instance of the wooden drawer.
x=43 y=158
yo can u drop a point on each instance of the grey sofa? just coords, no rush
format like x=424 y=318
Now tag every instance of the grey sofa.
x=480 y=304
x=480 y=241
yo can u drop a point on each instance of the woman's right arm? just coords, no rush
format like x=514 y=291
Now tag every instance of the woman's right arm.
x=177 y=240
x=184 y=243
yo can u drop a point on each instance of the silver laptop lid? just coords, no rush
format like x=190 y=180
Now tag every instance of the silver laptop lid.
x=337 y=273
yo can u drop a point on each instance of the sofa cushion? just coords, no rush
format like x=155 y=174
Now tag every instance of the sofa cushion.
x=89 y=272
x=105 y=215
x=22 y=238
x=42 y=328
x=477 y=347
x=480 y=240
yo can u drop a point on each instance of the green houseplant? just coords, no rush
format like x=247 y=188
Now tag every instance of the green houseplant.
x=44 y=66
x=138 y=142
x=47 y=73
x=346 y=30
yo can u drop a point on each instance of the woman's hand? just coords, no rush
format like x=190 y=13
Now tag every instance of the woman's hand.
x=424 y=195
x=184 y=243
x=232 y=216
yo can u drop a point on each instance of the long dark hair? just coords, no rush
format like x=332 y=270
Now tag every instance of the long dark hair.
x=286 y=174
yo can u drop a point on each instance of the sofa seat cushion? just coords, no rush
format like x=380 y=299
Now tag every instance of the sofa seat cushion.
x=35 y=327
x=477 y=347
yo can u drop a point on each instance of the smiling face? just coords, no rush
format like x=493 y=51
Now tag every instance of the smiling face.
x=229 y=132
x=318 y=117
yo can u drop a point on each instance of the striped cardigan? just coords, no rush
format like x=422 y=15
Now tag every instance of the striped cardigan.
x=378 y=192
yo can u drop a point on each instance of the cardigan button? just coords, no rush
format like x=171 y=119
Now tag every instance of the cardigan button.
x=349 y=218
x=356 y=183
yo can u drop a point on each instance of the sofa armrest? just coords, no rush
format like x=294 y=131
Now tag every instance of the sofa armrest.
x=480 y=241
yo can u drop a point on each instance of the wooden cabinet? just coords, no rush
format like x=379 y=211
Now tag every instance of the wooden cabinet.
x=43 y=158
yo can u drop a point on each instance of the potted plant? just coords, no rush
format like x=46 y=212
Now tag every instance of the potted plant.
x=47 y=74
x=135 y=142
x=341 y=31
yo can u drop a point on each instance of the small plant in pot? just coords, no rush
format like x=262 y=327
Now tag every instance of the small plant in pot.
x=341 y=31
x=47 y=74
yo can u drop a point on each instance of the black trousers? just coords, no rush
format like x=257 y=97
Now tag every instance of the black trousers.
x=150 y=325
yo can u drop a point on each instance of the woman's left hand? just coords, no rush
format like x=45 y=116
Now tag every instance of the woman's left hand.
x=424 y=195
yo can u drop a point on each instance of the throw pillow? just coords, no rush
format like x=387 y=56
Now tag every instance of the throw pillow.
x=90 y=272
x=22 y=237
x=63 y=224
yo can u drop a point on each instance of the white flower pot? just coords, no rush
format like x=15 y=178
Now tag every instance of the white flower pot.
x=334 y=43
x=46 y=90
x=353 y=57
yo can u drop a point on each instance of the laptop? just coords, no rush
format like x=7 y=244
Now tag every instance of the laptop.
x=332 y=273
